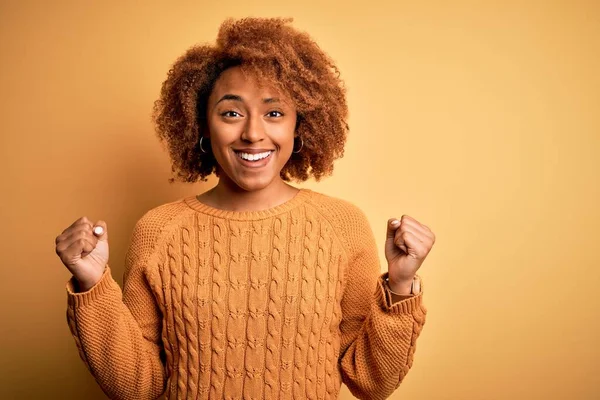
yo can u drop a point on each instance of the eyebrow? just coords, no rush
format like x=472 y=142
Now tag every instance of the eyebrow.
x=235 y=97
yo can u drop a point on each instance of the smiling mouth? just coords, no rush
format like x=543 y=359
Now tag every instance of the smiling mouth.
x=250 y=157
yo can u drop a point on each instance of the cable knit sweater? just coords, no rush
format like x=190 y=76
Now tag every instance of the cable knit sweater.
x=283 y=303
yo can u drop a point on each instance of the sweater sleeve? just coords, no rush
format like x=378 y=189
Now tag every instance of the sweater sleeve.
x=118 y=332
x=378 y=338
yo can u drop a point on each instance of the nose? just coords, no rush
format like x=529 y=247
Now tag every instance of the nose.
x=254 y=130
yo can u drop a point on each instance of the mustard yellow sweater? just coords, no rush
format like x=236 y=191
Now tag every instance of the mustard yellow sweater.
x=277 y=304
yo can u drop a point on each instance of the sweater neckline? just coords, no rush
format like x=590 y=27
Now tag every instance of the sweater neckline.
x=299 y=198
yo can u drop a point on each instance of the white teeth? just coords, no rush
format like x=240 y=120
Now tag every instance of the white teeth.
x=254 y=157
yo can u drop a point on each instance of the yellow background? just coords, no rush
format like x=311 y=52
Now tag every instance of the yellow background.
x=479 y=119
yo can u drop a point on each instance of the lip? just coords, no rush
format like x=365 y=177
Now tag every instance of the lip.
x=252 y=151
x=254 y=164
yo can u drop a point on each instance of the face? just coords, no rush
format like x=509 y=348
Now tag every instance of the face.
x=251 y=130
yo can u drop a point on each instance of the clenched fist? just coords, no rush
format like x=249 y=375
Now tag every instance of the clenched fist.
x=407 y=244
x=83 y=249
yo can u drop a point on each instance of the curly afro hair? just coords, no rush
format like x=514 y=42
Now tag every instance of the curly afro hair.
x=275 y=53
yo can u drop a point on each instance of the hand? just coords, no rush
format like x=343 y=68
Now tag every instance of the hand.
x=83 y=249
x=407 y=244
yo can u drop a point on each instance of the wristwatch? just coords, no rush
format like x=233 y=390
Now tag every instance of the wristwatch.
x=415 y=287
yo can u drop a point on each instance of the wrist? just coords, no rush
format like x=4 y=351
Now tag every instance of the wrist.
x=84 y=285
x=402 y=288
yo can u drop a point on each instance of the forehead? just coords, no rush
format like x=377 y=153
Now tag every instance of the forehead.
x=247 y=85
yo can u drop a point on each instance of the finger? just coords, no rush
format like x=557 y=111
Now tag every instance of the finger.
x=78 y=224
x=75 y=237
x=82 y=234
x=82 y=247
x=410 y=241
x=427 y=241
x=417 y=226
x=72 y=234
x=399 y=241
x=81 y=221
x=100 y=230
x=409 y=228
x=392 y=225
x=68 y=251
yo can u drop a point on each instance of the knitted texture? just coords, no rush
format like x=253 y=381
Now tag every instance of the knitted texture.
x=278 y=304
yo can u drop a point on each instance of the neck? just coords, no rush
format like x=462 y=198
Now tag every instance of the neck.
x=226 y=195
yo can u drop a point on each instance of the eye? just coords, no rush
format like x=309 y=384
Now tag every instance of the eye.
x=275 y=114
x=230 y=114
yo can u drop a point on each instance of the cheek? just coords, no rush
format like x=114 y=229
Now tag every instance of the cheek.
x=284 y=137
x=222 y=135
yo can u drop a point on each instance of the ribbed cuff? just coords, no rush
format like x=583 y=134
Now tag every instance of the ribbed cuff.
x=82 y=299
x=383 y=297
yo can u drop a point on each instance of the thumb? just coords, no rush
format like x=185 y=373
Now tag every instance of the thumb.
x=100 y=230
x=392 y=226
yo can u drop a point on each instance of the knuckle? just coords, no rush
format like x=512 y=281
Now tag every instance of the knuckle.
x=60 y=249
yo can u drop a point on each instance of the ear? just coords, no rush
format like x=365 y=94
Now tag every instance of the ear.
x=301 y=145
x=203 y=129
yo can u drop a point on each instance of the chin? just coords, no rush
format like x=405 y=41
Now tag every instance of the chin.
x=251 y=179
x=253 y=184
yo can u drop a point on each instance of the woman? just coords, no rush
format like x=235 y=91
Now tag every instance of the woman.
x=253 y=289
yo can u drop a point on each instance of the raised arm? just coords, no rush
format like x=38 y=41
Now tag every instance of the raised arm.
x=118 y=332
x=378 y=338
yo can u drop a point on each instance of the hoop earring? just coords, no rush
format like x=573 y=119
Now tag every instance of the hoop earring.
x=301 y=145
x=201 y=149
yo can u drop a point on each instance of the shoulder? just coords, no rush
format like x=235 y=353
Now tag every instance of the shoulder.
x=349 y=221
x=155 y=222
x=338 y=210
x=156 y=219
